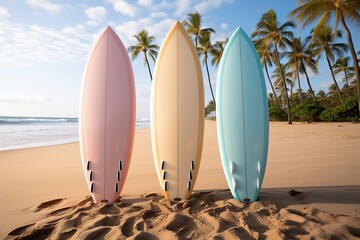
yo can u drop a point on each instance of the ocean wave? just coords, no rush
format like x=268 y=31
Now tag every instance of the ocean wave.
x=34 y=120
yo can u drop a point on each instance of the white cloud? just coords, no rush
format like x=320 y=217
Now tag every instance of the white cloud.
x=45 y=5
x=14 y=98
x=4 y=12
x=145 y=3
x=23 y=45
x=223 y=26
x=95 y=15
x=158 y=15
x=182 y=6
x=205 y=6
x=165 y=5
x=326 y=84
x=220 y=36
x=123 y=7
x=158 y=29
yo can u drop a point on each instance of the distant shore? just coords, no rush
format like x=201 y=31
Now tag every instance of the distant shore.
x=312 y=175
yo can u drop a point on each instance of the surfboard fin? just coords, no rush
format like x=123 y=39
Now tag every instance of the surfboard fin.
x=118 y=175
x=190 y=175
x=91 y=176
x=88 y=165
x=164 y=175
x=120 y=165
x=162 y=165
x=192 y=165
x=166 y=185
x=117 y=187
x=189 y=185
x=92 y=187
x=234 y=184
x=232 y=167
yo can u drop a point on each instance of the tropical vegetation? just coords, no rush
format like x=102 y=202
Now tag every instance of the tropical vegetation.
x=271 y=33
x=288 y=60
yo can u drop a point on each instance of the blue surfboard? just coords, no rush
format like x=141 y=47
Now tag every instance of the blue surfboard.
x=242 y=117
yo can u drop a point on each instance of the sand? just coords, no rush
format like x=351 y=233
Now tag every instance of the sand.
x=311 y=190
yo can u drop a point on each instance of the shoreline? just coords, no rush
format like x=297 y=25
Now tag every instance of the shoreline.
x=48 y=143
x=318 y=161
x=76 y=139
x=38 y=145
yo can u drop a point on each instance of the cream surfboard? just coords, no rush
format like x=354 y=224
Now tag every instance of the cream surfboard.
x=177 y=114
x=107 y=117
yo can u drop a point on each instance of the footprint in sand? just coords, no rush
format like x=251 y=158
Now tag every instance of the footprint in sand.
x=108 y=221
x=20 y=230
x=61 y=211
x=128 y=227
x=48 y=204
x=39 y=233
x=144 y=236
x=109 y=209
x=96 y=233
x=297 y=195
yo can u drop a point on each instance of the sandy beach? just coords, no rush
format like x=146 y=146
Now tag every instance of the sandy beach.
x=311 y=189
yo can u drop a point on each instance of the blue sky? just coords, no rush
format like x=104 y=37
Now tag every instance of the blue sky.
x=44 y=45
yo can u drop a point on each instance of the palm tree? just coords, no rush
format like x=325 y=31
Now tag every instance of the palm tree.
x=324 y=43
x=354 y=83
x=217 y=52
x=301 y=53
x=193 y=26
x=322 y=98
x=270 y=32
x=342 y=66
x=210 y=108
x=266 y=59
x=321 y=94
x=204 y=50
x=310 y=94
x=343 y=10
x=279 y=83
x=271 y=100
x=294 y=60
x=290 y=74
x=145 y=45
x=333 y=91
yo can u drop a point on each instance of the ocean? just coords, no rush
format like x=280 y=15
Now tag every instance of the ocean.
x=25 y=132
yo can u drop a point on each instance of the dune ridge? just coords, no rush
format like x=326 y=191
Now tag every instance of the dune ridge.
x=206 y=215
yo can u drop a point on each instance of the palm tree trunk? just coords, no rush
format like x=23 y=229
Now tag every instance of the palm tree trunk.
x=148 y=65
x=346 y=78
x=283 y=78
x=353 y=54
x=207 y=70
x=298 y=77
x=196 y=37
x=308 y=82
x=272 y=86
x=333 y=77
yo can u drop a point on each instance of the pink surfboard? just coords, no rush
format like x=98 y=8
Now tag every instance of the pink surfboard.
x=107 y=117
